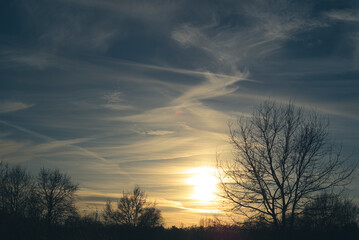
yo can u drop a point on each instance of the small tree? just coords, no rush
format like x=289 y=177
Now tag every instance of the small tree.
x=133 y=210
x=282 y=157
x=56 y=195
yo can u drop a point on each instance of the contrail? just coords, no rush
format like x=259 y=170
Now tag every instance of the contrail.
x=33 y=133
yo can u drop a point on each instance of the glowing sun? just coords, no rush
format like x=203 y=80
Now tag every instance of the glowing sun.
x=204 y=184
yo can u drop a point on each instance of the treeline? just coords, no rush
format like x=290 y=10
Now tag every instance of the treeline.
x=34 y=205
x=43 y=207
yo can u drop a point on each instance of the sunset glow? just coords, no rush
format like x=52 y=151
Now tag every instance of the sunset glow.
x=133 y=92
x=204 y=184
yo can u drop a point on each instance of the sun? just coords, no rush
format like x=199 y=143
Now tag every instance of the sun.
x=204 y=184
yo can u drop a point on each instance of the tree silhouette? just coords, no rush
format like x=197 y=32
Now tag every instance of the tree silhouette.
x=56 y=194
x=330 y=211
x=15 y=188
x=282 y=157
x=133 y=210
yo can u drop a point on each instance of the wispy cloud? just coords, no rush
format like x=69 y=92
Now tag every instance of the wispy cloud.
x=138 y=9
x=53 y=143
x=50 y=146
x=12 y=106
x=72 y=32
x=351 y=15
x=103 y=26
x=115 y=101
x=153 y=132
x=39 y=61
x=10 y=146
x=214 y=86
x=20 y=56
x=271 y=24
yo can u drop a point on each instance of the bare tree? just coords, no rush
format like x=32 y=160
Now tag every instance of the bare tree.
x=15 y=188
x=282 y=157
x=133 y=210
x=56 y=195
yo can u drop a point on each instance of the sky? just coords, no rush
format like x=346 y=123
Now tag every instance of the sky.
x=116 y=93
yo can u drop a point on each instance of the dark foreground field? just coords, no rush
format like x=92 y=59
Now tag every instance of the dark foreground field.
x=17 y=228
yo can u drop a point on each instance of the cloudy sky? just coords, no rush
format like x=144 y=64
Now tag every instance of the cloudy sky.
x=117 y=93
